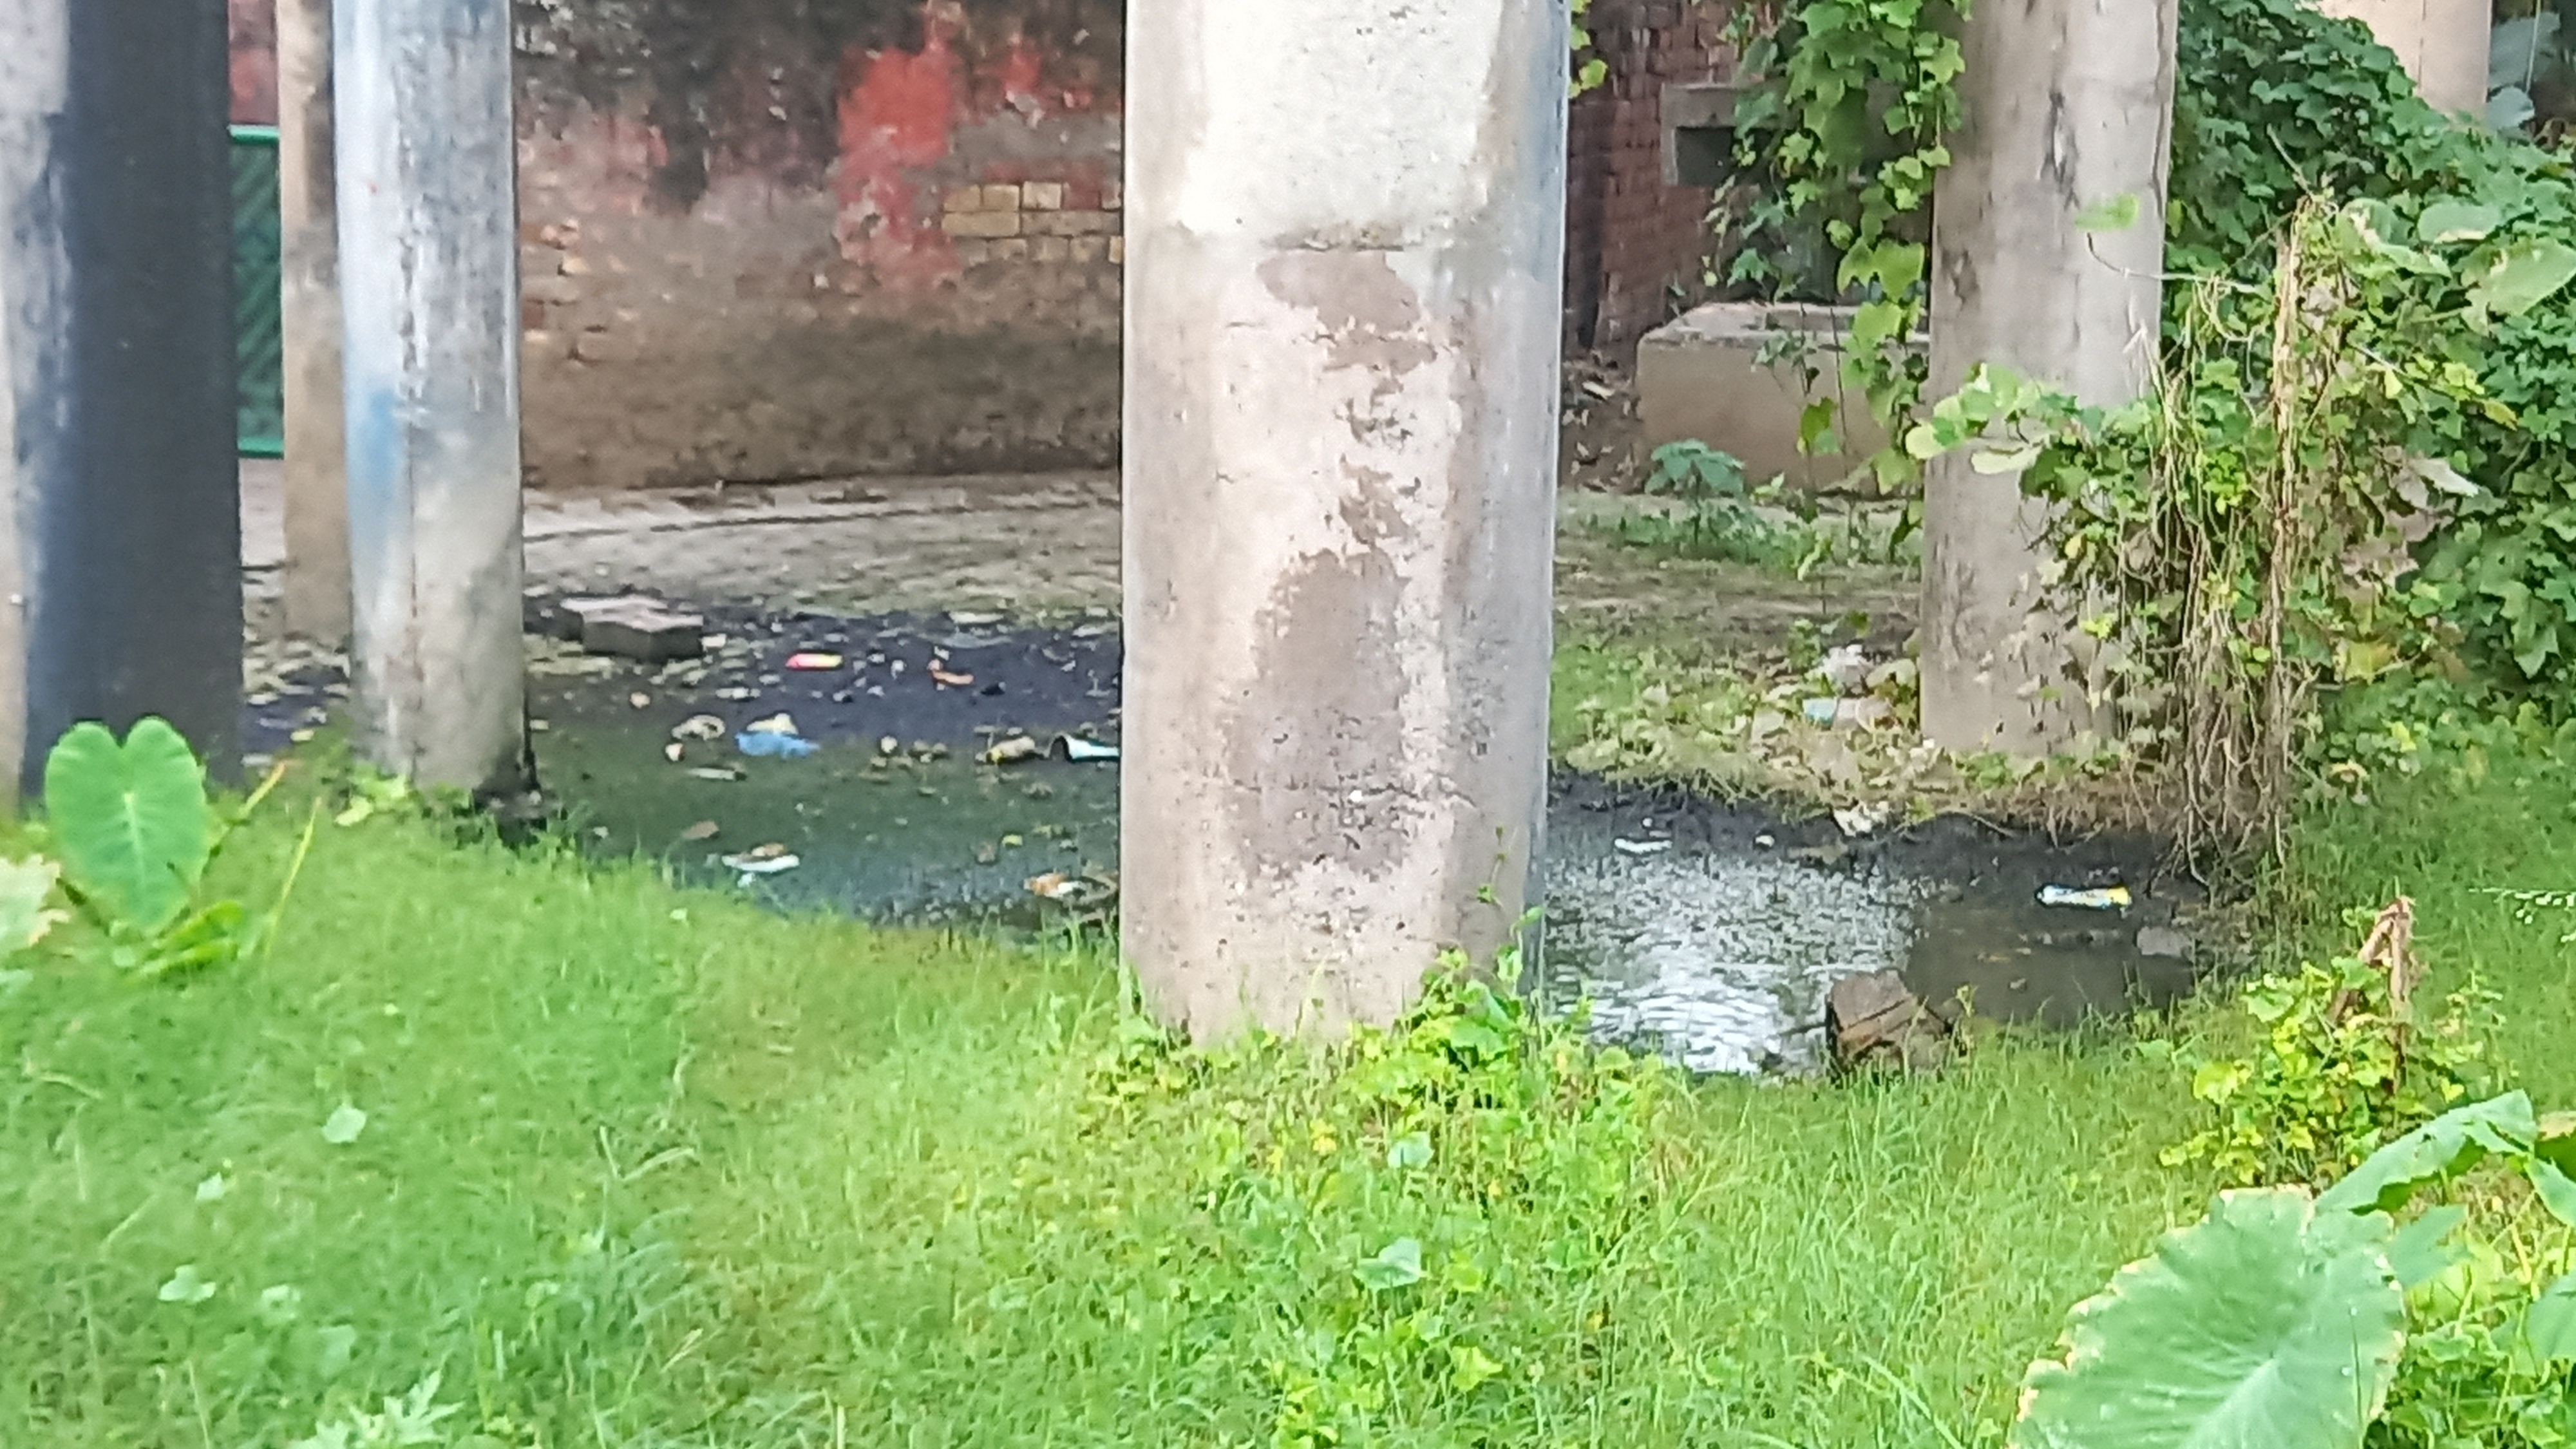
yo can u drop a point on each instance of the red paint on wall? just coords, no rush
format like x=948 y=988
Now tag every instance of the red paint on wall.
x=252 y=30
x=896 y=111
x=1023 y=74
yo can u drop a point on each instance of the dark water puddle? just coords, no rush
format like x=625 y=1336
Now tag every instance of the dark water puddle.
x=1709 y=931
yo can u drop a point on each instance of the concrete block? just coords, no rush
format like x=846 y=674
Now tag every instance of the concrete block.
x=1090 y=249
x=638 y=628
x=1051 y=249
x=1701 y=377
x=1011 y=249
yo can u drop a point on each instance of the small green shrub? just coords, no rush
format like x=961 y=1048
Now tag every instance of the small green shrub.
x=2340 y=1064
x=137 y=830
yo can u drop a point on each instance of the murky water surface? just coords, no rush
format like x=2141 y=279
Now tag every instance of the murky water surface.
x=1708 y=932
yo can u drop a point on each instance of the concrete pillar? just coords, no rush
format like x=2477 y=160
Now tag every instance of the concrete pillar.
x=429 y=291
x=1344 y=275
x=316 y=577
x=2442 y=43
x=120 y=538
x=2068 y=104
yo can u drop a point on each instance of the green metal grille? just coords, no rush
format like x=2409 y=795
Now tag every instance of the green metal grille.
x=259 y=354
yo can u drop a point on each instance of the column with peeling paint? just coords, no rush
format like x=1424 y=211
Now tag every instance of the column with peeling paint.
x=430 y=298
x=1344 y=272
x=2068 y=105
x=120 y=538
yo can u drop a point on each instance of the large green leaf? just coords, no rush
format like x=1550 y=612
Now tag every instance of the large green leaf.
x=131 y=820
x=2269 y=1325
x=2440 y=1149
x=2523 y=276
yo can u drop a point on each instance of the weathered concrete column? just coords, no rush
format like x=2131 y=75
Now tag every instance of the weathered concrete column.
x=1344 y=269
x=120 y=538
x=2442 y=43
x=2069 y=103
x=316 y=577
x=429 y=289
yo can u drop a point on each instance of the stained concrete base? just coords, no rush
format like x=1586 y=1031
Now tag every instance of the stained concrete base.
x=1704 y=377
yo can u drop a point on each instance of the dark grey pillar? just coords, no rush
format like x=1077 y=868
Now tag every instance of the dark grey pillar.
x=121 y=550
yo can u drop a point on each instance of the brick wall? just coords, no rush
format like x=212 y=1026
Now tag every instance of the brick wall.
x=782 y=239
x=770 y=239
x=1636 y=248
x=253 y=26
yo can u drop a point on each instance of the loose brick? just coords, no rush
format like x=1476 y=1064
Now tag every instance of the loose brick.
x=1042 y=196
x=1118 y=251
x=963 y=198
x=1070 y=223
x=1002 y=198
x=981 y=223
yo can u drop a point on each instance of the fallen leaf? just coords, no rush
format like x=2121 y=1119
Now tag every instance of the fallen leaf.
x=344 y=1125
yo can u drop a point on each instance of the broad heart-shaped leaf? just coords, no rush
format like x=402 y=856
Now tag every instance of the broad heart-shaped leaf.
x=2456 y=221
x=131 y=819
x=2526 y=275
x=2269 y=1325
x=2442 y=1148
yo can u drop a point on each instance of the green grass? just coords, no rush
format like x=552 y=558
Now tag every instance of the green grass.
x=645 y=1167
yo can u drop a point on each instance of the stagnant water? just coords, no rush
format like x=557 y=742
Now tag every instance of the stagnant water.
x=1708 y=932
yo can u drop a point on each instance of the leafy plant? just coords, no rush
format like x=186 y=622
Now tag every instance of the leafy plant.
x=132 y=820
x=1388 y=1284
x=2269 y=1323
x=2340 y=1063
x=2282 y=1318
x=1850 y=140
x=2246 y=537
x=26 y=903
x=409 y=1420
x=137 y=830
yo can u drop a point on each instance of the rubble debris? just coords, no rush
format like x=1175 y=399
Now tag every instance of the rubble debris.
x=1873 y=1020
x=770 y=859
x=2166 y=943
x=635 y=627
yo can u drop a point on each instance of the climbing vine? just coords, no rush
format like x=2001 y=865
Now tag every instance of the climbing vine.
x=1851 y=138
